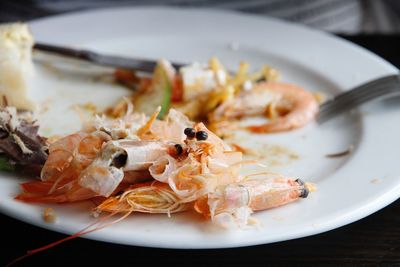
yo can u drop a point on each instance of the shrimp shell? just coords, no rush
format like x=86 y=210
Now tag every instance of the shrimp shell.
x=106 y=172
x=301 y=106
x=289 y=107
x=238 y=200
x=60 y=156
x=163 y=168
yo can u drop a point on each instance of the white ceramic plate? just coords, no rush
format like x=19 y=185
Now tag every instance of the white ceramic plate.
x=349 y=188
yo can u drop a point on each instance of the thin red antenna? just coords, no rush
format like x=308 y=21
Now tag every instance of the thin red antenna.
x=82 y=232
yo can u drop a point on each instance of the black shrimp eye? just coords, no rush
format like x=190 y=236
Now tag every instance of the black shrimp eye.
x=190 y=132
x=299 y=181
x=201 y=135
x=179 y=149
x=119 y=193
x=304 y=192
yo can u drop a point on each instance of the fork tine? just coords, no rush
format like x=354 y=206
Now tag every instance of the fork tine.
x=359 y=95
x=373 y=85
x=145 y=65
x=347 y=103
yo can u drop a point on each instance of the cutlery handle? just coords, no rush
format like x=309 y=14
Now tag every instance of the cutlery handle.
x=144 y=65
x=65 y=51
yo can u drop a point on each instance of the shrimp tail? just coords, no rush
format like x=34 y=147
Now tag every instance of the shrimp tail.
x=38 y=192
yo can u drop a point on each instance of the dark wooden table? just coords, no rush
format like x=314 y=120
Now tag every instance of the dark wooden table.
x=372 y=241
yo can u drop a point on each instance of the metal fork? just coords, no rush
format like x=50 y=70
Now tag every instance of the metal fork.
x=385 y=86
x=101 y=59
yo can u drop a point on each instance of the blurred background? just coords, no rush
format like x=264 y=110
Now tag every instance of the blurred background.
x=338 y=16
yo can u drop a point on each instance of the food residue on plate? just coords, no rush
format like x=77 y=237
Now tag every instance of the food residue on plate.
x=376 y=181
x=90 y=107
x=245 y=151
x=49 y=215
x=268 y=154
x=278 y=218
x=49 y=66
x=234 y=46
x=217 y=97
x=343 y=153
x=320 y=97
x=85 y=111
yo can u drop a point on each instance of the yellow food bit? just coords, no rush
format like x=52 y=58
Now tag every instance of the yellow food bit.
x=270 y=74
x=49 y=215
x=219 y=96
x=243 y=68
x=271 y=111
x=89 y=106
x=311 y=187
x=320 y=97
x=215 y=65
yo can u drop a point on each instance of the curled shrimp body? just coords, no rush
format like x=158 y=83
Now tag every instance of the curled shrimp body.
x=288 y=107
x=68 y=157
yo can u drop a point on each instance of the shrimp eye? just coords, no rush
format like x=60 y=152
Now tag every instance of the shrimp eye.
x=190 y=132
x=304 y=192
x=179 y=149
x=120 y=160
x=3 y=133
x=299 y=181
x=201 y=135
x=119 y=193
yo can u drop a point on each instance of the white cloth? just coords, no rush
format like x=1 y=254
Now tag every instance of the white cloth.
x=339 y=16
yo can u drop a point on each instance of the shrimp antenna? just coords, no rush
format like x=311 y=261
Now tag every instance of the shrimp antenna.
x=262 y=174
x=97 y=226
